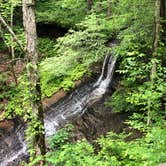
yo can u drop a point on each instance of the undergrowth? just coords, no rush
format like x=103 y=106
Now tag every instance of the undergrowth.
x=114 y=150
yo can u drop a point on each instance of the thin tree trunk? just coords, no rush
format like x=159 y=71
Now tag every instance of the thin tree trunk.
x=157 y=27
x=12 y=48
x=156 y=37
x=163 y=16
x=155 y=48
x=99 y=7
x=33 y=76
x=11 y=32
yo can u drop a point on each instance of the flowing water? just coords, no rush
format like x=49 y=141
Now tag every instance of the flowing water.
x=78 y=102
x=60 y=113
x=13 y=147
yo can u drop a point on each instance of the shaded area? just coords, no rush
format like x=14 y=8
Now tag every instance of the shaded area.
x=51 y=31
x=11 y=142
x=97 y=121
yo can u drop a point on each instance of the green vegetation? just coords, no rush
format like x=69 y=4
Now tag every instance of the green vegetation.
x=114 y=150
x=73 y=55
x=140 y=91
x=66 y=13
x=46 y=47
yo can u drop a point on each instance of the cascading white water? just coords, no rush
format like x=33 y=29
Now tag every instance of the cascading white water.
x=14 y=156
x=20 y=148
x=73 y=106
x=102 y=72
x=60 y=113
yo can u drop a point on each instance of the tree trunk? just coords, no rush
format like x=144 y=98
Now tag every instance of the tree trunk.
x=156 y=36
x=12 y=48
x=33 y=76
x=163 y=17
x=155 y=48
x=157 y=27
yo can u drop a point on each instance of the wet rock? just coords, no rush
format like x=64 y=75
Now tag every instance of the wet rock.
x=6 y=125
x=98 y=121
x=54 y=98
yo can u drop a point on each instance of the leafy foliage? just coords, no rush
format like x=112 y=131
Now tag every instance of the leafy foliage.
x=61 y=137
x=63 y=12
x=73 y=154
x=5 y=7
x=66 y=60
x=19 y=103
x=9 y=41
x=73 y=55
x=45 y=47
x=114 y=151
x=148 y=150
x=136 y=92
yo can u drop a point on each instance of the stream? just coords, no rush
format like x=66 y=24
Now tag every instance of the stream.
x=13 y=147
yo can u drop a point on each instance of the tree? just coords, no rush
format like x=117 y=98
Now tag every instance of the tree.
x=155 y=49
x=156 y=36
x=12 y=47
x=37 y=118
x=157 y=27
x=163 y=15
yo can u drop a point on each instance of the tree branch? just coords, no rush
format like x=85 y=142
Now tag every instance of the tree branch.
x=12 y=33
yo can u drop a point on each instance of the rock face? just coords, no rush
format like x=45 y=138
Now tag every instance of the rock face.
x=6 y=125
x=11 y=140
x=54 y=98
x=97 y=121
x=48 y=101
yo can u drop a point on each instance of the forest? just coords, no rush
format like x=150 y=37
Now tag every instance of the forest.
x=82 y=82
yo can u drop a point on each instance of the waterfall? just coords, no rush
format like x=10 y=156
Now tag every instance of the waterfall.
x=102 y=72
x=62 y=112
x=79 y=101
